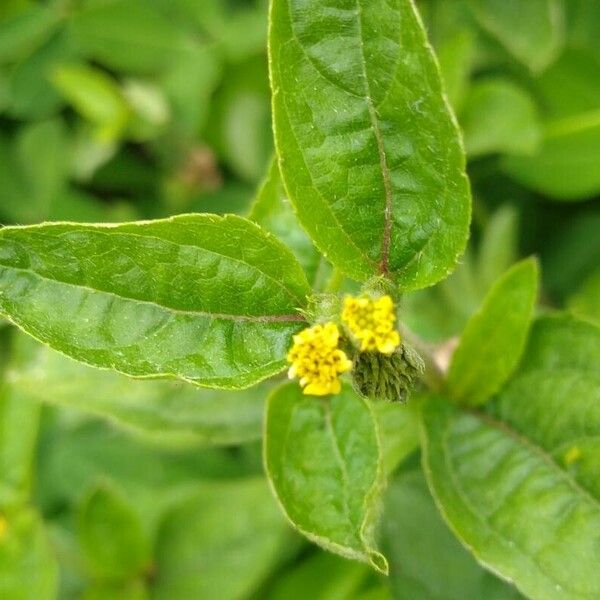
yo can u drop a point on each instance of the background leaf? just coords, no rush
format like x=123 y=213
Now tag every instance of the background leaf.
x=426 y=560
x=173 y=414
x=531 y=31
x=28 y=568
x=368 y=150
x=111 y=536
x=219 y=544
x=272 y=211
x=499 y=116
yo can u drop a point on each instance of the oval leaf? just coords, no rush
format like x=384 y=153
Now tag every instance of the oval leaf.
x=531 y=31
x=211 y=300
x=369 y=151
x=28 y=566
x=494 y=338
x=111 y=536
x=323 y=459
x=219 y=544
x=519 y=485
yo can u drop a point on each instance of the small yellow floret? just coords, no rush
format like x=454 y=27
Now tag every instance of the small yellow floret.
x=317 y=361
x=371 y=322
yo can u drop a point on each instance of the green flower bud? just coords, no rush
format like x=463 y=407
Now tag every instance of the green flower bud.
x=387 y=377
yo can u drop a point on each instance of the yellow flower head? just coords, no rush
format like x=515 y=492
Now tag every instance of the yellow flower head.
x=317 y=361
x=371 y=322
x=3 y=526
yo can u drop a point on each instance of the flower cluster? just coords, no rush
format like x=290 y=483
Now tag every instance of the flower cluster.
x=317 y=361
x=371 y=322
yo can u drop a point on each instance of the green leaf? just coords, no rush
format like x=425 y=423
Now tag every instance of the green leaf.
x=567 y=164
x=322 y=576
x=572 y=254
x=571 y=85
x=19 y=425
x=272 y=211
x=499 y=116
x=78 y=455
x=189 y=85
x=32 y=95
x=128 y=36
x=324 y=463
x=44 y=155
x=169 y=413
x=498 y=247
x=369 y=152
x=22 y=33
x=95 y=96
x=426 y=560
x=28 y=568
x=240 y=120
x=211 y=300
x=111 y=535
x=532 y=31
x=398 y=427
x=456 y=56
x=586 y=301
x=220 y=544
x=584 y=24
x=520 y=486
x=132 y=590
x=494 y=338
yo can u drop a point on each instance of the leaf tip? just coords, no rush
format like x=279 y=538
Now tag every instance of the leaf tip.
x=379 y=562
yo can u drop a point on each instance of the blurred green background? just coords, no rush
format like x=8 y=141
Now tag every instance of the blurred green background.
x=114 y=110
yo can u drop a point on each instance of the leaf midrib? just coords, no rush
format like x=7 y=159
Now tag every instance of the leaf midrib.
x=195 y=313
x=385 y=171
x=292 y=295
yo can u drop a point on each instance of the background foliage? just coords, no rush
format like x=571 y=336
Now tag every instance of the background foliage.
x=115 y=110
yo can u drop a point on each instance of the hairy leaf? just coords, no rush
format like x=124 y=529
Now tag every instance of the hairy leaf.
x=519 y=484
x=323 y=459
x=202 y=298
x=368 y=150
x=494 y=338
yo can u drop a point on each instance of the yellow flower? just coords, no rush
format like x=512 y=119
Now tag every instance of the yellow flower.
x=3 y=526
x=317 y=361
x=371 y=322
